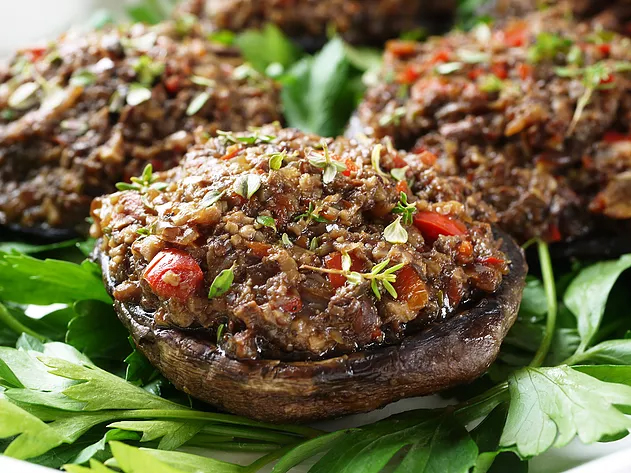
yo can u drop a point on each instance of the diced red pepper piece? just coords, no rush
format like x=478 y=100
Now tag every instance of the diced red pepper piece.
x=474 y=73
x=409 y=75
x=34 y=54
x=443 y=55
x=516 y=34
x=411 y=288
x=499 y=69
x=334 y=261
x=607 y=80
x=465 y=250
x=350 y=167
x=524 y=70
x=173 y=274
x=605 y=49
x=172 y=84
x=554 y=234
x=432 y=225
x=615 y=137
x=402 y=186
x=398 y=161
x=428 y=158
x=401 y=48
x=492 y=261
x=231 y=152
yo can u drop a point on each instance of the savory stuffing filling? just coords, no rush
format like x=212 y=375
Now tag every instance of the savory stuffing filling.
x=92 y=108
x=534 y=113
x=279 y=244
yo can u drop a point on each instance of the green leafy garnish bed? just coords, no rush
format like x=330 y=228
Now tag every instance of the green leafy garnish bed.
x=75 y=394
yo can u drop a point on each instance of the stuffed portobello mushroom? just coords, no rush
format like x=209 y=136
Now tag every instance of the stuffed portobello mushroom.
x=93 y=108
x=612 y=15
x=534 y=113
x=287 y=277
x=307 y=21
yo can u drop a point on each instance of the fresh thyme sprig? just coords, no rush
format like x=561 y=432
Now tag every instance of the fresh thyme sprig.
x=594 y=77
x=311 y=215
x=378 y=276
x=324 y=161
x=404 y=208
x=142 y=184
x=254 y=137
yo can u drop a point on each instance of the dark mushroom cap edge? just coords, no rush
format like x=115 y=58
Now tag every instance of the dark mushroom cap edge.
x=453 y=352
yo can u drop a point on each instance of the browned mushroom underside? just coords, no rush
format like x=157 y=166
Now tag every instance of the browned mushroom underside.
x=455 y=351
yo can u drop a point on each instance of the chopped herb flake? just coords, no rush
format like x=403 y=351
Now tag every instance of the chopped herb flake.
x=221 y=284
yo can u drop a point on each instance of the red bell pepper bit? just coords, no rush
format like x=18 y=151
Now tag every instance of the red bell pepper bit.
x=173 y=274
x=515 y=35
x=524 y=71
x=432 y=225
x=500 y=70
x=615 y=137
x=401 y=48
x=411 y=288
x=492 y=261
x=34 y=54
x=443 y=55
x=350 y=167
x=402 y=186
x=334 y=261
x=172 y=84
x=409 y=75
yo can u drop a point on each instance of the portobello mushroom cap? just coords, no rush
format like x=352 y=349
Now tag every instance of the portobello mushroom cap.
x=533 y=111
x=92 y=108
x=339 y=315
x=308 y=21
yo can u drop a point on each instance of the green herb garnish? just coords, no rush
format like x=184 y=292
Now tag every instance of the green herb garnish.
x=148 y=70
x=395 y=233
x=404 y=208
x=142 y=184
x=379 y=276
x=594 y=77
x=247 y=185
x=211 y=198
x=491 y=83
x=266 y=221
x=324 y=161
x=394 y=117
x=197 y=103
x=276 y=160
x=311 y=215
x=286 y=241
x=24 y=96
x=137 y=94
x=375 y=159
x=248 y=139
x=221 y=284
x=448 y=68
x=83 y=78
x=547 y=46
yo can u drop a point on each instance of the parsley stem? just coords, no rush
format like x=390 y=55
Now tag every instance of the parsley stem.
x=232 y=446
x=481 y=405
x=249 y=433
x=551 y=297
x=7 y=319
x=270 y=457
x=299 y=430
